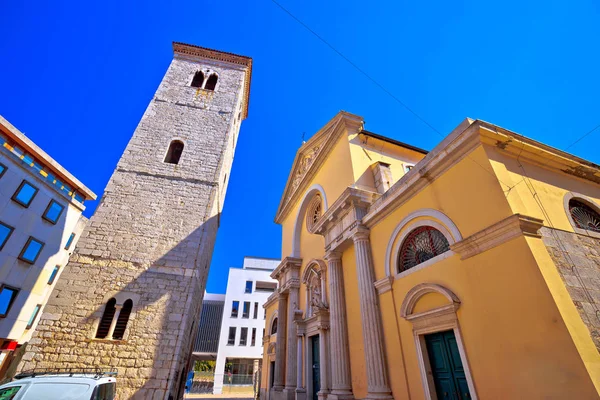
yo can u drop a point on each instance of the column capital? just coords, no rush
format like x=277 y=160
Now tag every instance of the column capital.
x=333 y=256
x=360 y=233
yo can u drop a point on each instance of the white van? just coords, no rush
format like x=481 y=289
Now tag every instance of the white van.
x=60 y=386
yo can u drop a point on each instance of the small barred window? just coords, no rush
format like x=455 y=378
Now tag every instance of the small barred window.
x=274 y=326
x=584 y=216
x=422 y=244
x=315 y=209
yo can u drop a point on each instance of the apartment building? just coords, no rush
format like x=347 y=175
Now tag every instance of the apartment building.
x=41 y=207
x=242 y=328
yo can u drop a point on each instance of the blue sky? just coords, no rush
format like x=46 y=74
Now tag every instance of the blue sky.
x=77 y=76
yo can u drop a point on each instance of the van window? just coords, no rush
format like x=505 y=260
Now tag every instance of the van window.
x=106 y=391
x=9 y=393
x=58 y=390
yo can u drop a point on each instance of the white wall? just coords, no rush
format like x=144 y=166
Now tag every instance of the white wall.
x=255 y=269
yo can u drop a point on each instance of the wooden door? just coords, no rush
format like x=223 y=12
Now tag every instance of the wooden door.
x=446 y=365
x=316 y=367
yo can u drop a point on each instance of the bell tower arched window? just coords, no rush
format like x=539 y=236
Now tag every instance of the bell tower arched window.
x=198 y=79
x=174 y=152
x=584 y=216
x=422 y=244
x=106 y=321
x=211 y=83
x=122 y=320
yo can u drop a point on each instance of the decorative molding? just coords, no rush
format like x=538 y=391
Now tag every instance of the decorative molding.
x=286 y=265
x=414 y=294
x=222 y=56
x=310 y=157
x=446 y=227
x=586 y=200
x=306 y=199
x=497 y=234
x=271 y=300
x=384 y=285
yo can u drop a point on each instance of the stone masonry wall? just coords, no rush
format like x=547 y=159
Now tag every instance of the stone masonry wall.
x=577 y=258
x=150 y=240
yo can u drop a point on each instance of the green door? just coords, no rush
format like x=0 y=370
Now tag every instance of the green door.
x=316 y=367
x=446 y=365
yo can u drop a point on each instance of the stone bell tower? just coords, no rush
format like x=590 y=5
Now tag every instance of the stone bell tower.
x=130 y=296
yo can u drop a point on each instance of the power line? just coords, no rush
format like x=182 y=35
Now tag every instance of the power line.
x=582 y=137
x=403 y=104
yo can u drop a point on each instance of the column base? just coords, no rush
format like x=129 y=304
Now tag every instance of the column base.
x=322 y=395
x=289 y=393
x=341 y=395
x=300 y=394
x=379 y=396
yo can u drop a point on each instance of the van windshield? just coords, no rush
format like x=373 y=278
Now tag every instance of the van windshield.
x=57 y=390
x=9 y=392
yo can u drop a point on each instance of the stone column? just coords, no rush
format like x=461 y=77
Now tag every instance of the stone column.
x=377 y=378
x=292 y=339
x=280 y=344
x=325 y=361
x=300 y=390
x=113 y=323
x=341 y=379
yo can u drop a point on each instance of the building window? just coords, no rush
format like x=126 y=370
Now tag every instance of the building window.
x=2 y=169
x=313 y=213
x=255 y=310
x=408 y=167
x=7 y=298
x=53 y=212
x=25 y=194
x=174 y=152
x=246 y=313
x=211 y=83
x=53 y=275
x=122 y=320
x=243 y=336
x=198 y=79
x=5 y=232
x=36 y=310
x=422 y=244
x=231 y=339
x=274 y=326
x=584 y=216
x=106 y=321
x=69 y=241
x=31 y=251
x=235 y=307
x=253 y=340
x=248 y=287
x=265 y=286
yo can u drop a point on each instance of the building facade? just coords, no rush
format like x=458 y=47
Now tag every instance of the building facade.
x=209 y=328
x=40 y=223
x=470 y=271
x=240 y=344
x=130 y=296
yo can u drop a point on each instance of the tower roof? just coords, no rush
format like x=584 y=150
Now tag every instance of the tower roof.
x=203 y=52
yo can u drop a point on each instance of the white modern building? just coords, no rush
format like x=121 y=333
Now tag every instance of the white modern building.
x=242 y=328
x=40 y=222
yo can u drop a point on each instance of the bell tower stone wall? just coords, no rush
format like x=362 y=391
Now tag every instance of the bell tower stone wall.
x=152 y=236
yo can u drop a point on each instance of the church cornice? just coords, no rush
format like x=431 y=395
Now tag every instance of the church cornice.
x=310 y=157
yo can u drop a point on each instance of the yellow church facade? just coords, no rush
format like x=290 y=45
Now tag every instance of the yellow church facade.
x=470 y=271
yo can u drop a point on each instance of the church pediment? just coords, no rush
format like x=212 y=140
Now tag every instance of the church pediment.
x=310 y=157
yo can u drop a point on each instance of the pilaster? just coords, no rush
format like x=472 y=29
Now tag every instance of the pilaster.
x=377 y=377
x=341 y=378
x=281 y=343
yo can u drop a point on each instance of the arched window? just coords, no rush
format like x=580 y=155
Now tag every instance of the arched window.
x=174 y=152
x=584 y=216
x=314 y=211
x=211 y=83
x=274 y=326
x=122 y=320
x=198 y=79
x=422 y=244
x=107 y=317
